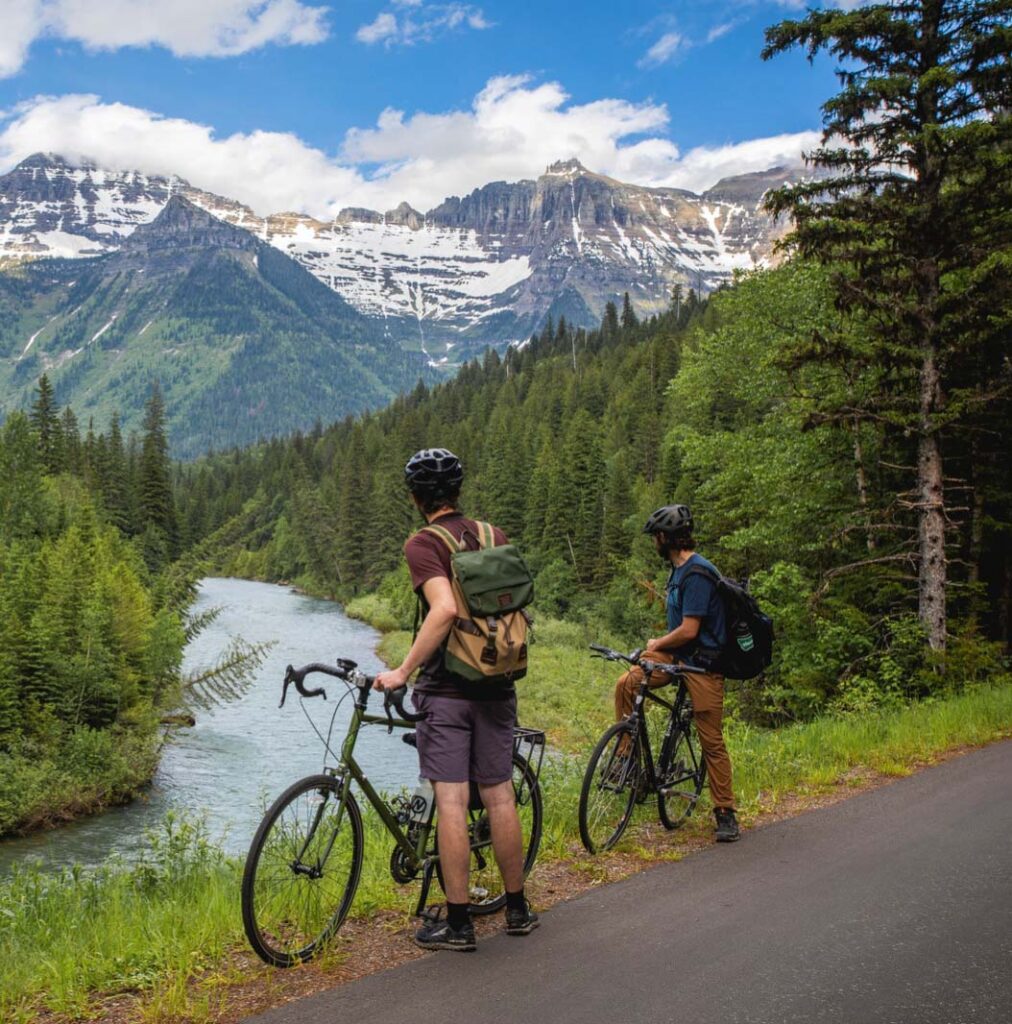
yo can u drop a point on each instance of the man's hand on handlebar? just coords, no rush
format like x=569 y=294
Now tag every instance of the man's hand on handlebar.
x=392 y=680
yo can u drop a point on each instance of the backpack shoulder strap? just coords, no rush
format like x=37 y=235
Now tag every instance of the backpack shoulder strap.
x=444 y=535
x=702 y=570
x=486 y=535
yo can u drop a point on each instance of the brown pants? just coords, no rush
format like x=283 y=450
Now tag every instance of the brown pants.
x=707 y=693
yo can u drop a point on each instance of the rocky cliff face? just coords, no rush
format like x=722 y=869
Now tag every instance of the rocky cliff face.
x=488 y=266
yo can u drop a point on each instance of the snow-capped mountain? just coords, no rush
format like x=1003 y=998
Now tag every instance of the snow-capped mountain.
x=489 y=266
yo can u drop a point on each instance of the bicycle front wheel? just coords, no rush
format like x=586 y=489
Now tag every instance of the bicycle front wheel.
x=682 y=774
x=486 y=890
x=609 y=788
x=301 y=871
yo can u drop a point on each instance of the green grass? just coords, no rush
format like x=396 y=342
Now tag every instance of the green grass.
x=153 y=926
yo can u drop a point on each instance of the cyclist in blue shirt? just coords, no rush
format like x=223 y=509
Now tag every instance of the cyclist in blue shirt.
x=696 y=632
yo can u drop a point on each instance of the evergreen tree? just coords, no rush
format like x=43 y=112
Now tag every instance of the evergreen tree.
x=70 y=436
x=629 y=318
x=45 y=417
x=912 y=216
x=609 y=322
x=156 y=501
x=115 y=487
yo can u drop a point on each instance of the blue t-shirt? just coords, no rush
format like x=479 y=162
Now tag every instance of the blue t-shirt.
x=696 y=595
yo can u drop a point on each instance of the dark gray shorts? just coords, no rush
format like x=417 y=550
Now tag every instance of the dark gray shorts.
x=466 y=740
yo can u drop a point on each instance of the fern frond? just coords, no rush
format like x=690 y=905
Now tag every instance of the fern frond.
x=229 y=679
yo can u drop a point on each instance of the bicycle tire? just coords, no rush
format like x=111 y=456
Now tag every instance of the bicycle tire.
x=675 y=804
x=603 y=820
x=288 y=914
x=483 y=870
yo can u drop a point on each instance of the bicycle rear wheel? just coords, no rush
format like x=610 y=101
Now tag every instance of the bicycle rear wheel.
x=301 y=871
x=609 y=788
x=682 y=773
x=485 y=885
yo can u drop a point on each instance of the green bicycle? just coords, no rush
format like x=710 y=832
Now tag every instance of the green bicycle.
x=305 y=860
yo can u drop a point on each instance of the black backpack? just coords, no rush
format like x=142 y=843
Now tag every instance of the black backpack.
x=748 y=650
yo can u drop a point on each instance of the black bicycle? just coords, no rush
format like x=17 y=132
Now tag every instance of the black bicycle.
x=305 y=860
x=622 y=771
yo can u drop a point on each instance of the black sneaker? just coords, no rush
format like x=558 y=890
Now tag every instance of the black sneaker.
x=439 y=935
x=521 y=922
x=727 y=826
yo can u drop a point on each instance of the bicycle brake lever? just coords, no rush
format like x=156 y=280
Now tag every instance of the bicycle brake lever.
x=287 y=683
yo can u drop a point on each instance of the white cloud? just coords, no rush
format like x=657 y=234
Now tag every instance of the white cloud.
x=663 y=50
x=720 y=30
x=382 y=28
x=420 y=22
x=513 y=129
x=188 y=28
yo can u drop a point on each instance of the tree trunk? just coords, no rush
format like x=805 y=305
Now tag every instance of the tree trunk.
x=862 y=482
x=931 y=507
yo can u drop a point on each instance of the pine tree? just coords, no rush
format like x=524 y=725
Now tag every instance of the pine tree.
x=70 y=434
x=21 y=472
x=629 y=318
x=115 y=496
x=157 y=505
x=45 y=417
x=609 y=322
x=912 y=216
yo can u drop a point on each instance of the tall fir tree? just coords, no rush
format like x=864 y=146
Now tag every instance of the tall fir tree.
x=45 y=417
x=911 y=214
x=157 y=504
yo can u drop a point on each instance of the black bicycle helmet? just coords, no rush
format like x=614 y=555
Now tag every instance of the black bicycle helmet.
x=670 y=519
x=434 y=472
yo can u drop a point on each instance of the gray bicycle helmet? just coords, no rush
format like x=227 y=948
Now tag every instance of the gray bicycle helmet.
x=670 y=519
x=434 y=472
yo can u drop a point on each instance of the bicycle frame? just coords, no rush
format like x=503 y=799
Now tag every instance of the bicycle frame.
x=349 y=769
x=639 y=722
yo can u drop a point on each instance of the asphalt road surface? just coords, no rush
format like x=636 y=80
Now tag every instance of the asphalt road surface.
x=894 y=906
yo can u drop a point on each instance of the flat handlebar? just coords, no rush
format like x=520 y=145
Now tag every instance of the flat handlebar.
x=637 y=658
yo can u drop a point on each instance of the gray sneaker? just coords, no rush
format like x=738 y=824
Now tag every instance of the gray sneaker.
x=439 y=935
x=521 y=922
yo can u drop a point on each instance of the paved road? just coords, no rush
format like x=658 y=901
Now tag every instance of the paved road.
x=892 y=907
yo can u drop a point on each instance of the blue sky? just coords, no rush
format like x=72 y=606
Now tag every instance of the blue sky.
x=366 y=102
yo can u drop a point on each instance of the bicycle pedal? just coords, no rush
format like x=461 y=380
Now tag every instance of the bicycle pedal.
x=431 y=914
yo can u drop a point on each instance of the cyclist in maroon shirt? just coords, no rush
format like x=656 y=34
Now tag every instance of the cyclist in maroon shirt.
x=467 y=734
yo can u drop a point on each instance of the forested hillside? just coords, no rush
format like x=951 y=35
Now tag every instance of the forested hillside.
x=571 y=441
x=243 y=341
x=92 y=612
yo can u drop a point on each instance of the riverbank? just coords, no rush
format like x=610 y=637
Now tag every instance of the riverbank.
x=162 y=940
x=91 y=771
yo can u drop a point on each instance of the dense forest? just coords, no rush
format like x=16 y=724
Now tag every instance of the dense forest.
x=93 y=611
x=570 y=442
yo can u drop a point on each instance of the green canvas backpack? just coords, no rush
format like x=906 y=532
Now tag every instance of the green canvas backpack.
x=492 y=586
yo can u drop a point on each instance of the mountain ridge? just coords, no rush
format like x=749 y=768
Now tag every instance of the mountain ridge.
x=489 y=266
x=245 y=342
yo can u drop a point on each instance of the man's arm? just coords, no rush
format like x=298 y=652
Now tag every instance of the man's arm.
x=686 y=633
x=435 y=628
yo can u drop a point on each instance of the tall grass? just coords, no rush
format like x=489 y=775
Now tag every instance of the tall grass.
x=153 y=925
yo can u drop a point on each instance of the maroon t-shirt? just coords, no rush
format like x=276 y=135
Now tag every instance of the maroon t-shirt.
x=428 y=557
